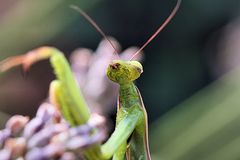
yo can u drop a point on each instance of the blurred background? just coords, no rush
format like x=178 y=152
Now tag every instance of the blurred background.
x=190 y=83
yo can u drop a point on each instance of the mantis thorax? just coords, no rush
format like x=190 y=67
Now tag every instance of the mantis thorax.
x=123 y=72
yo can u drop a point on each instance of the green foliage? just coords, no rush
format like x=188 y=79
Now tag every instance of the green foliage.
x=35 y=23
x=206 y=126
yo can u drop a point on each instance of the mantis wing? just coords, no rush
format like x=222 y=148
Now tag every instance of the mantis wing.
x=138 y=147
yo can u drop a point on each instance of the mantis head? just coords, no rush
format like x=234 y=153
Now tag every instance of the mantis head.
x=126 y=71
x=123 y=72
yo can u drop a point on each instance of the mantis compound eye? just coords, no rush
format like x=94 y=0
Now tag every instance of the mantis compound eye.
x=137 y=65
x=139 y=70
x=115 y=66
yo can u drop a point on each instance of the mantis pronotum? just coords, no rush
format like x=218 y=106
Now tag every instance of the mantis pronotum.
x=130 y=138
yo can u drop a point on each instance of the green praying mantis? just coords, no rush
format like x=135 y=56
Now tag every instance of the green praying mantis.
x=130 y=137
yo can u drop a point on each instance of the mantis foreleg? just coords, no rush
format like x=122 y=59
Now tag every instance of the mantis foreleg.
x=64 y=90
x=122 y=132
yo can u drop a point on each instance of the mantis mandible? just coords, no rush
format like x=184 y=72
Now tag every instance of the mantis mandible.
x=130 y=137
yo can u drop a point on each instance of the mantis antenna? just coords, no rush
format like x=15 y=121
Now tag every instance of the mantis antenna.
x=174 y=11
x=94 y=24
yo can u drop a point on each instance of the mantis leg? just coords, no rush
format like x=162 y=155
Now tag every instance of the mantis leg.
x=120 y=153
x=123 y=130
x=64 y=91
x=56 y=97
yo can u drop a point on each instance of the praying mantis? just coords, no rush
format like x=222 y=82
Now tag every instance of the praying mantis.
x=130 y=137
